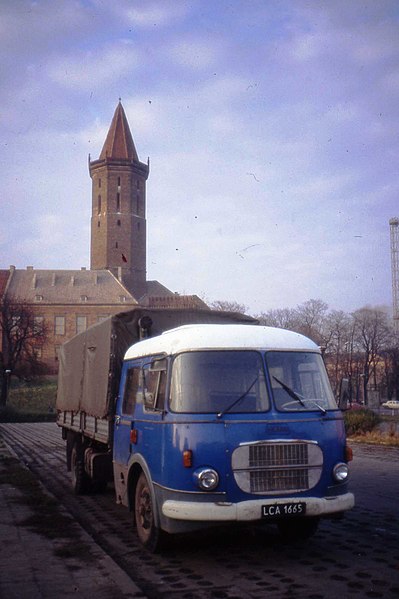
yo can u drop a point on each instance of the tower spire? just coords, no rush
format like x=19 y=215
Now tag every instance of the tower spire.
x=119 y=141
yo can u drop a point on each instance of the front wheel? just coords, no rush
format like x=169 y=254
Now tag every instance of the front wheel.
x=298 y=529
x=147 y=531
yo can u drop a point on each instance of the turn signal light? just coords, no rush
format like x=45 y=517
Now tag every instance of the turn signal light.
x=187 y=458
x=134 y=436
x=348 y=453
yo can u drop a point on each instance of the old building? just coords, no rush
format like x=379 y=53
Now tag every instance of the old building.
x=71 y=300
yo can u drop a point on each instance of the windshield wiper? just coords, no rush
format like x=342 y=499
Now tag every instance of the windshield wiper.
x=220 y=414
x=290 y=392
x=295 y=396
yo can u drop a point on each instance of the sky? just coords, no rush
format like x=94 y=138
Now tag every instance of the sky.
x=271 y=128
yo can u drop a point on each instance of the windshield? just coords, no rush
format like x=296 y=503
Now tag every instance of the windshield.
x=218 y=382
x=299 y=381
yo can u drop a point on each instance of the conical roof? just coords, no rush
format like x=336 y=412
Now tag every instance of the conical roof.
x=119 y=142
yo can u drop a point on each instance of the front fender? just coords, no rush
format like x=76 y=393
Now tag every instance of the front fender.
x=136 y=465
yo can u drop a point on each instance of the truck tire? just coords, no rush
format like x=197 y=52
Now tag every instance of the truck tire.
x=147 y=531
x=80 y=480
x=298 y=529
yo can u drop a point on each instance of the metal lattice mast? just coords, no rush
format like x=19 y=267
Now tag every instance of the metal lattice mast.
x=394 y=226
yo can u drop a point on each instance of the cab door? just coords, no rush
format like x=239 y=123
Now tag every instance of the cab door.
x=130 y=395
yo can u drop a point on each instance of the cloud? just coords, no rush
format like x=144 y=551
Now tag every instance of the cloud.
x=94 y=68
x=195 y=53
x=150 y=14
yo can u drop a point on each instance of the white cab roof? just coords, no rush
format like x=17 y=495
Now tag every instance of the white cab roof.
x=220 y=336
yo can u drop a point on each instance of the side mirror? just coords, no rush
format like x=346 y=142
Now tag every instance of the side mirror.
x=343 y=394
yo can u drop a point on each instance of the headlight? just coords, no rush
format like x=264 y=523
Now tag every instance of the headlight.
x=206 y=478
x=341 y=472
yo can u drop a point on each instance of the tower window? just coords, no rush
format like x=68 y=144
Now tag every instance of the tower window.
x=116 y=244
x=98 y=224
x=119 y=223
x=99 y=182
x=99 y=205
x=138 y=226
x=118 y=202
x=138 y=183
x=119 y=181
x=137 y=203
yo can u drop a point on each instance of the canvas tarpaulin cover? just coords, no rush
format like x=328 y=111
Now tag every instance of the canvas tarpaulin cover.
x=90 y=363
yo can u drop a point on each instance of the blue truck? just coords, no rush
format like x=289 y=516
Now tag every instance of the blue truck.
x=201 y=419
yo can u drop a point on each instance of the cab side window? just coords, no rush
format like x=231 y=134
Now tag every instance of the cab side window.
x=132 y=394
x=155 y=388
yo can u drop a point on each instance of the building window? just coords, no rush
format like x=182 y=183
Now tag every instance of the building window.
x=37 y=352
x=98 y=224
x=119 y=181
x=38 y=322
x=116 y=244
x=118 y=202
x=99 y=182
x=56 y=352
x=83 y=298
x=119 y=223
x=138 y=183
x=138 y=226
x=81 y=324
x=137 y=204
x=59 y=325
x=99 y=205
x=38 y=298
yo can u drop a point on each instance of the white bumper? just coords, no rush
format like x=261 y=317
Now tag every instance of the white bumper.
x=252 y=509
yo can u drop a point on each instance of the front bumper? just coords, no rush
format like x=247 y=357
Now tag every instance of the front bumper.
x=246 y=511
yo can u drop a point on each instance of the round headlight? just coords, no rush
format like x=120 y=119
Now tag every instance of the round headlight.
x=206 y=478
x=341 y=472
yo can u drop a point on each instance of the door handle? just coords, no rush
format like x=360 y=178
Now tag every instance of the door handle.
x=117 y=420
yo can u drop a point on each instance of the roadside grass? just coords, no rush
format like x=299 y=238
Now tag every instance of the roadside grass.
x=365 y=426
x=31 y=402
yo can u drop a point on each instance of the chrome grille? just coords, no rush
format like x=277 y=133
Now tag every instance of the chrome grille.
x=263 y=481
x=283 y=454
x=270 y=467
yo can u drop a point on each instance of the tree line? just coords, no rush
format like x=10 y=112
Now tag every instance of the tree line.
x=360 y=347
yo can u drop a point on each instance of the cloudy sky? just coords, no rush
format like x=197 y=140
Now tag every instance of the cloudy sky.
x=271 y=127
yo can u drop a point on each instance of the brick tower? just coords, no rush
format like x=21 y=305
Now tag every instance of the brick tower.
x=118 y=221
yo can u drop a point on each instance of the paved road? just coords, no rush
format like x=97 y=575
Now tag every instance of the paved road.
x=354 y=557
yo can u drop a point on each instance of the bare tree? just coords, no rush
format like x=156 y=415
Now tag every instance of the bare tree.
x=372 y=334
x=21 y=337
x=228 y=306
x=283 y=318
x=312 y=321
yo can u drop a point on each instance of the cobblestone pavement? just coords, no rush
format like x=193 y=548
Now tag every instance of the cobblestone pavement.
x=354 y=557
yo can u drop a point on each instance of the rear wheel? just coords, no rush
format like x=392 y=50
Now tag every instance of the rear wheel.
x=147 y=531
x=298 y=529
x=80 y=480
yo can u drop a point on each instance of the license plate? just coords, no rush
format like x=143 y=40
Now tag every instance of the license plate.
x=284 y=510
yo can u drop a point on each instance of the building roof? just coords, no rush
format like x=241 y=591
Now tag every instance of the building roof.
x=67 y=287
x=119 y=141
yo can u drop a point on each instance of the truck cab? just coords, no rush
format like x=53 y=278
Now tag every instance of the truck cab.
x=228 y=423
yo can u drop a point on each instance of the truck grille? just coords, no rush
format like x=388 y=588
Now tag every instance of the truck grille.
x=277 y=467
